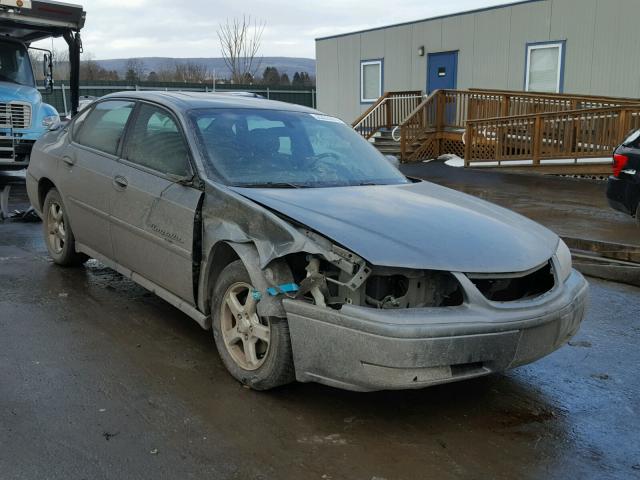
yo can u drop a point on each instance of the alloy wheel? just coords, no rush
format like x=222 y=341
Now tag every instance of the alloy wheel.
x=246 y=336
x=57 y=237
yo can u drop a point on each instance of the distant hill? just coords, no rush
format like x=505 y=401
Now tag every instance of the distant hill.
x=288 y=65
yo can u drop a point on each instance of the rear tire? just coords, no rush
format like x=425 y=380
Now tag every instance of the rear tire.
x=58 y=235
x=255 y=350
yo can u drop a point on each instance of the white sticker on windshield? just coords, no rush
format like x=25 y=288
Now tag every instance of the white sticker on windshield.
x=326 y=118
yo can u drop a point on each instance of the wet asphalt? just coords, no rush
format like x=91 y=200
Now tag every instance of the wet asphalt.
x=572 y=207
x=101 y=380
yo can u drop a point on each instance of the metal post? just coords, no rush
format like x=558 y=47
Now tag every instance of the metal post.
x=268 y=94
x=75 y=48
x=64 y=101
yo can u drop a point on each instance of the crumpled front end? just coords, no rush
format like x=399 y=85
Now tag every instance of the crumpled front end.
x=357 y=347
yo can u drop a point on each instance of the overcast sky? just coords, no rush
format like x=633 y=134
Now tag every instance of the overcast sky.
x=187 y=28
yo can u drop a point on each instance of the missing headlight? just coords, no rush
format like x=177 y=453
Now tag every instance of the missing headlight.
x=413 y=290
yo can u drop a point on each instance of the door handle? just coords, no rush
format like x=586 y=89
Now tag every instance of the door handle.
x=120 y=182
x=69 y=161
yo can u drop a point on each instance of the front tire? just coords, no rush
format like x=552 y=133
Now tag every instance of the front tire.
x=255 y=350
x=58 y=235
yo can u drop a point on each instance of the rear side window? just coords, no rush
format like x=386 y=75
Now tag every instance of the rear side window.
x=104 y=127
x=633 y=140
x=156 y=142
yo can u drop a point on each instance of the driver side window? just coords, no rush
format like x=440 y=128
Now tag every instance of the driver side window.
x=156 y=142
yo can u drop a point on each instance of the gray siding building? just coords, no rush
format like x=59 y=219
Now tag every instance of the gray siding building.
x=588 y=47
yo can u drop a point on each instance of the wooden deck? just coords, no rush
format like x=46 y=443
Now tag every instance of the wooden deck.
x=553 y=133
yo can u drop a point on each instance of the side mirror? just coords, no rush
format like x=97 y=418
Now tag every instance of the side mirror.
x=393 y=160
x=48 y=73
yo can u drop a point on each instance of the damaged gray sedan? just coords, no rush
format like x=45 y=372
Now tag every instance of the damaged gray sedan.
x=305 y=251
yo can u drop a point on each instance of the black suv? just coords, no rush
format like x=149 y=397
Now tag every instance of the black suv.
x=623 y=189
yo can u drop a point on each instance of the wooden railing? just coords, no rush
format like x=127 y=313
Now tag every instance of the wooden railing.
x=389 y=110
x=450 y=110
x=591 y=133
x=423 y=119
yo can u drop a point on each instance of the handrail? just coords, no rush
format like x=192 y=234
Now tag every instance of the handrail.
x=569 y=96
x=555 y=114
x=416 y=122
x=374 y=106
x=387 y=111
x=581 y=133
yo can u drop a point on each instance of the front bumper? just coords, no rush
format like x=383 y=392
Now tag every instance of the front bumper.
x=365 y=349
x=14 y=151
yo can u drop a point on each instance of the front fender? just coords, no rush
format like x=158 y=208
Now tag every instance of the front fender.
x=275 y=273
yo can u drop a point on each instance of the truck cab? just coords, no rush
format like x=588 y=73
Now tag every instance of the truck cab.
x=24 y=117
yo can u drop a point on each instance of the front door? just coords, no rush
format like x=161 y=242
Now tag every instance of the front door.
x=442 y=71
x=153 y=214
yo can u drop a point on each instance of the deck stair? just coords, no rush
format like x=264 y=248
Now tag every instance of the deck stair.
x=556 y=133
x=384 y=142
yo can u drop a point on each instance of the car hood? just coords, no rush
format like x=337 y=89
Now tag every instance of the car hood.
x=14 y=92
x=419 y=225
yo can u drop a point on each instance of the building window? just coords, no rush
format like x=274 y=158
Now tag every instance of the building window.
x=544 y=68
x=370 y=80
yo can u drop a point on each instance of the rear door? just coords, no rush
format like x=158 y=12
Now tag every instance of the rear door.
x=152 y=214
x=86 y=175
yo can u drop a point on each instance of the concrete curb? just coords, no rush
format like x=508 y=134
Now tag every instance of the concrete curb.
x=612 y=251
x=609 y=261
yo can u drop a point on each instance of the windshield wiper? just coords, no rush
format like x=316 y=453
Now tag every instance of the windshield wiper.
x=271 y=185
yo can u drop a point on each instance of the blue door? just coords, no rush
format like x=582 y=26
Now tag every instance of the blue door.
x=442 y=71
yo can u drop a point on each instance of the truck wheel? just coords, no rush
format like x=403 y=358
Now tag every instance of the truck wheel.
x=256 y=350
x=58 y=234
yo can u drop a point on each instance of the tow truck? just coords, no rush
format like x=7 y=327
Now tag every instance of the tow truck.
x=24 y=117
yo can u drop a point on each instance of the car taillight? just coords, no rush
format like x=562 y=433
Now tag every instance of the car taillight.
x=619 y=162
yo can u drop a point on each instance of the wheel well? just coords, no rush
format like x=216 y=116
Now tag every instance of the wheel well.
x=43 y=188
x=222 y=254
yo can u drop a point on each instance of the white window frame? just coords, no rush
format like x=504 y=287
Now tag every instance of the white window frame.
x=362 y=65
x=540 y=46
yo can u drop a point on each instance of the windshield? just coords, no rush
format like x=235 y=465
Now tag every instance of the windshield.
x=15 y=65
x=281 y=149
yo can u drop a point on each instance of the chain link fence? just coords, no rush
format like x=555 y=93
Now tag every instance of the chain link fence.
x=61 y=96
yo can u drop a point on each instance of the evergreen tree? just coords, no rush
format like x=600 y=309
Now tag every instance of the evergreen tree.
x=271 y=76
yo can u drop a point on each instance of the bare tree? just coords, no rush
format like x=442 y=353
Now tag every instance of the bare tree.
x=191 y=72
x=135 y=70
x=89 y=68
x=61 y=66
x=240 y=41
x=166 y=72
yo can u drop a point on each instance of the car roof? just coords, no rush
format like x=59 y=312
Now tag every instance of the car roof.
x=183 y=101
